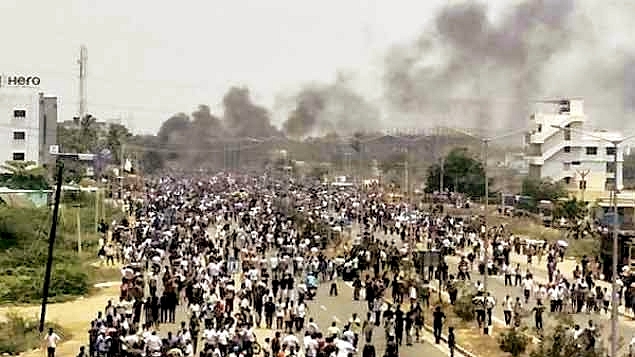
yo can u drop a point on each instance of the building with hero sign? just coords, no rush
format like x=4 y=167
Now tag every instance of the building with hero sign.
x=28 y=120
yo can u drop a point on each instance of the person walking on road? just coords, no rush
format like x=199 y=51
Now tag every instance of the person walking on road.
x=451 y=341
x=438 y=317
x=538 y=310
x=507 y=310
x=52 y=339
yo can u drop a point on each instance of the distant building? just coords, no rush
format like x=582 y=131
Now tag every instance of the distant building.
x=583 y=162
x=28 y=121
x=517 y=162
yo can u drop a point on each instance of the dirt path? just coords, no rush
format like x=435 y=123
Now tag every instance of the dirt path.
x=74 y=316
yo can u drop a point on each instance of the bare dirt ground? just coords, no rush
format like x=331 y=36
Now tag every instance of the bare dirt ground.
x=74 y=316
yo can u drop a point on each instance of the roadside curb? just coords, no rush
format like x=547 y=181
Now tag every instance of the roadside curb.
x=444 y=337
x=497 y=321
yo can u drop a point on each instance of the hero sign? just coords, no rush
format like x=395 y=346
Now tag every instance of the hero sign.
x=22 y=81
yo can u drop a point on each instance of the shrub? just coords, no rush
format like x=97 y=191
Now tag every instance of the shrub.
x=513 y=342
x=560 y=343
x=20 y=334
x=464 y=307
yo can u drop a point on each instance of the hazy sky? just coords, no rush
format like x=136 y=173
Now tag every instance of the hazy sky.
x=149 y=59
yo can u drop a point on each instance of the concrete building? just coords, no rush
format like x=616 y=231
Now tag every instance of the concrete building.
x=583 y=162
x=28 y=122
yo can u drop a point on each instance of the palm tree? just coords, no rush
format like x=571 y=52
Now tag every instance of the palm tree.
x=87 y=132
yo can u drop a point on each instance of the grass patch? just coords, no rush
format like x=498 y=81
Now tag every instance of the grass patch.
x=24 y=249
x=468 y=335
x=20 y=334
x=103 y=274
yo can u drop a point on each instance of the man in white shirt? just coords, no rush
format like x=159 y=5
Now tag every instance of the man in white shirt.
x=310 y=345
x=154 y=344
x=52 y=339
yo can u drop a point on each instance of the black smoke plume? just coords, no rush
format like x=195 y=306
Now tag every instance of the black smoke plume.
x=322 y=109
x=207 y=124
x=244 y=118
x=472 y=71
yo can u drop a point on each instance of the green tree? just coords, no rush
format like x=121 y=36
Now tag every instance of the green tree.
x=117 y=135
x=461 y=173
x=576 y=214
x=23 y=175
x=543 y=189
x=88 y=133
x=571 y=210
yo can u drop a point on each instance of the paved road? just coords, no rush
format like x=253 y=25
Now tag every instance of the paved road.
x=496 y=286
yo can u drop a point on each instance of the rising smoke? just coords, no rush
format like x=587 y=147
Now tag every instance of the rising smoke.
x=207 y=124
x=469 y=69
x=472 y=71
x=322 y=109
x=244 y=118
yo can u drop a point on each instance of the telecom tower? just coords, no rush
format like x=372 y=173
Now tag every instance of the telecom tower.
x=83 y=59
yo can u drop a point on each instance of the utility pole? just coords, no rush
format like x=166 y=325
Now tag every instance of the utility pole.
x=583 y=175
x=486 y=238
x=79 y=229
x=406 y=183
x=121 y=167
x=97 y=208
x=441 y=174
x=83 y=59
x=53 y=231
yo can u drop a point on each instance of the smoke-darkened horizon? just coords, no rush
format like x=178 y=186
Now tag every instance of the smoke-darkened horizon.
x=469 y=68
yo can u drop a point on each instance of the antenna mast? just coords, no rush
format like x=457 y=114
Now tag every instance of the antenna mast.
x=83 y=59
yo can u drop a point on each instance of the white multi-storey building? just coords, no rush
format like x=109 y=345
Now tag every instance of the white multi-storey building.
x=28 y=122
x=582 y=158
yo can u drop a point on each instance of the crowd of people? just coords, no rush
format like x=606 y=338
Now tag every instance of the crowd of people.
x=223 y=256
x=233 y=254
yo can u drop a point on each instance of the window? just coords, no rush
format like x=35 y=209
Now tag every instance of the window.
x=610 y=150
x=567 y=180
x=567 y=166
x=19 y=113
x=18 y=156
x=575 y=163
x=567 y=134
x=610 y=167
x=567 y=149
x=19 y=135
x=591 y=150
x=539 y=128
